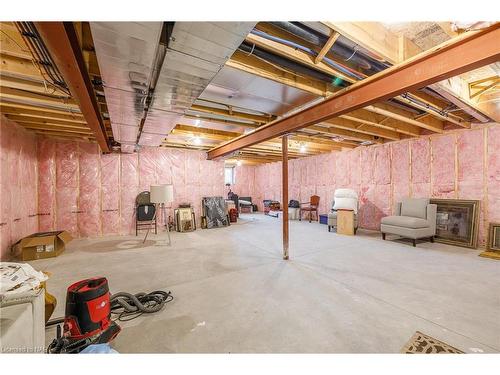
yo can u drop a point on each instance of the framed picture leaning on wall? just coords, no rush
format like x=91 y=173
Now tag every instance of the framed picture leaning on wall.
x=457 y=221
x=494 y=237
x=493 y=244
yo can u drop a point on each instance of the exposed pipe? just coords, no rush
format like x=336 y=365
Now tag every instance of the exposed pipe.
x=314 y=37
x=343 y=69
x=268 y=56
x=343 y=47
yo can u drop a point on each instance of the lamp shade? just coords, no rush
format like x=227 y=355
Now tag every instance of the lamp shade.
x=161 y=193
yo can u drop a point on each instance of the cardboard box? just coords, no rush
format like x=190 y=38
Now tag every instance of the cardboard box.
x=42 y=245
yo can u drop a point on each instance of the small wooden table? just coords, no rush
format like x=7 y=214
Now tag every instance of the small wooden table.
x=345 y=222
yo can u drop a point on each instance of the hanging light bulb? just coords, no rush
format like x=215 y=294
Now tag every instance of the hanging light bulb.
x=197 y=123
x=238 y=163
x=302 y=148
x=197 y=140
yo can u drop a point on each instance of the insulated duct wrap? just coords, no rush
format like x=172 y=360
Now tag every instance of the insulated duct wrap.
x=126 y=54
x=195 y=54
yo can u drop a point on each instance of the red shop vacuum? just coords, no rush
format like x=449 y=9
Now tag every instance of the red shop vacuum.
x=87 y=317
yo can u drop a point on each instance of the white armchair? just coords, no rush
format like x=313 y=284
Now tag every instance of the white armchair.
x=346 y=199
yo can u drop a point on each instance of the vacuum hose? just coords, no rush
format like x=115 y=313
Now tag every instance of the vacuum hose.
x=129 y=306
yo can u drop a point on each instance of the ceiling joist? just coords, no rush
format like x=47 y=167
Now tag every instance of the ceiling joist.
x=446 y=60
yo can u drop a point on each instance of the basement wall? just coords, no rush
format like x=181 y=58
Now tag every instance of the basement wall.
x=51 y=184
x=462 y=164
x=92 y=194
x=18 y=184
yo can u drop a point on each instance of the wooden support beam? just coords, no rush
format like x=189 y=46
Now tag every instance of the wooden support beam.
x=223 y=135
x=63 y=135
x=248 y=125
x=36 y=98
x=367 y=117
x=348 y=134
x=378 y=39
x=41 y=114
x=308 y=60
x=62 y=42
x=374 y=37
x=12 y=43
x=234 y=114
x=458 y=88
x=363 y=127
x=45 y=121
x=446 y=60
x=294 y=54
x=16 y=66
x=70 y=111
x=328 y=45
x=38 y=86
x=428 y=123
x=284 y=184
x=254 y=65
x=61 y=129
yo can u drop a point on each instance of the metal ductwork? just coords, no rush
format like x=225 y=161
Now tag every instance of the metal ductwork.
x=196 y=52
x=126 y=54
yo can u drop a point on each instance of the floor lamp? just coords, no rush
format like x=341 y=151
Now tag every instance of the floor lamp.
x=160 y=195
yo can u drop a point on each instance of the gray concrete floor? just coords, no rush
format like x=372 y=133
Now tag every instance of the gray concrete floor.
x=337 y=294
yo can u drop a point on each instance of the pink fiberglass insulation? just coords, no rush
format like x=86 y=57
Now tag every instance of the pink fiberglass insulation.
x=244 y=181
x=382 y=165
x=163 y=165
x=420 y=167
x=110 y=201
x=470 y=146
x=148 y=160
x=89 y=218
x=400 y=171
x=67 y=186
x=331 y=165
x=18 y=185
x=367 y=161
x=367 y=210
x=322 y=166
x=471 y=173
x=493 y=182
x=420 y=159
x=46 y=148
x=311 y=163
x=355 y=168
x=342 y=169
x=321 y=191
x=443 y=166
x=129 y=180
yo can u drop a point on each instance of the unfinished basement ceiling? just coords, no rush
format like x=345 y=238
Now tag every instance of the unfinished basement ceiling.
x=240 y=89
x=200 y=84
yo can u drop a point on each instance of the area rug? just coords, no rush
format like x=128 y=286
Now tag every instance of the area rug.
x=421 y=343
